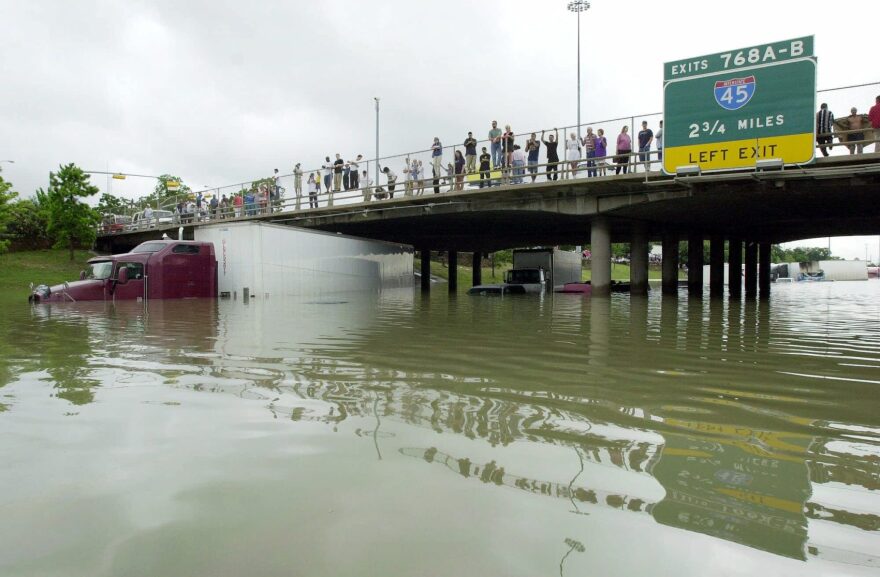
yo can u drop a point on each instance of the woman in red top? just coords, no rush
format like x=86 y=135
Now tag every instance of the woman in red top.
x=624 y=148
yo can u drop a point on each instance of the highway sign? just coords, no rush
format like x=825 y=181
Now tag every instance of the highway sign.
x=729 y=110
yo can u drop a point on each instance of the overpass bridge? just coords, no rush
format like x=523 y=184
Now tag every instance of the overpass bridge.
x=748 y=209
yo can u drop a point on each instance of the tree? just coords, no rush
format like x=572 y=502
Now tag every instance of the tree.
x=27 y=225
x=800 y=254
x=161 y=194
x=6 y=195
x=71 y=222
x=109 y=204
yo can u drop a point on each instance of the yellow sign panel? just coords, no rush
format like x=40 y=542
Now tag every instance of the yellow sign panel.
x=119 y=176
x=792 y=149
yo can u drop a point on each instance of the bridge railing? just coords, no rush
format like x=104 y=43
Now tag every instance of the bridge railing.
x=297 y=198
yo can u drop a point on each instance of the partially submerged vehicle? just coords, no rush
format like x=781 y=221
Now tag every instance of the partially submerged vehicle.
x=497 y=290
x=157 y=269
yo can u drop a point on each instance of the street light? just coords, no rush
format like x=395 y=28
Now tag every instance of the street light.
x=579 y=6
x=376 y=182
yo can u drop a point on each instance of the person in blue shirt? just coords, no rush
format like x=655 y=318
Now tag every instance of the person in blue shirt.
x=437 y=156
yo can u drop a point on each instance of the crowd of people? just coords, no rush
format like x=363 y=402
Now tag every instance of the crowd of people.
x=503 y=161
x=855 y=131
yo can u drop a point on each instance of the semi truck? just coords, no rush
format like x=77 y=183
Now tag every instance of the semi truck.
x=157 y=269
x=258 y=259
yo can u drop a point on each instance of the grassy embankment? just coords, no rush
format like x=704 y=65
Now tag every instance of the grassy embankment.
x=19 y=269
x=619 y=272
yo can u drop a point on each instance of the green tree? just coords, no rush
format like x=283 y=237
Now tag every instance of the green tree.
x=109 y=204
x=27 y=225
x=71 y=222
x=6 y=196
x=161 y=195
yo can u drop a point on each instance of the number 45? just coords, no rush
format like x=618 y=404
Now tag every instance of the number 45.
x=738 y=97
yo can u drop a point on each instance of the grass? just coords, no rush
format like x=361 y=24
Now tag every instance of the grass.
x=19 y=269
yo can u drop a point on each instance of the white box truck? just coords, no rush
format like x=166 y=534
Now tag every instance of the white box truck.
x=559 y=266
x=271 y=259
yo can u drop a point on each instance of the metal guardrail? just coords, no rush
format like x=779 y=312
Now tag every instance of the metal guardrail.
x=295 y=195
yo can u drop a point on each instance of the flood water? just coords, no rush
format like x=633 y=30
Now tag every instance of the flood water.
x=395 y=435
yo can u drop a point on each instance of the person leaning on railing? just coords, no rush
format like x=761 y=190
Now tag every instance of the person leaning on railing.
x=874 y=119
x=824 y=126
x=624 y=149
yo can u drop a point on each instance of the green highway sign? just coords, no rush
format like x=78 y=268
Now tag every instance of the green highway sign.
x=729 y=110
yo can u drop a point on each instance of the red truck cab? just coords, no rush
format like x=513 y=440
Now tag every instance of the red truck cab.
x=156 y=269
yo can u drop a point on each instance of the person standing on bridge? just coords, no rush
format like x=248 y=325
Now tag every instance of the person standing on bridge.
x=314 y=187
x=824 y=127
x=573 y=153
x=589 y=143
x=552 y=154
x=495 y=143
x=624 y=149
x=856 y=123
x=658 y=142
x=874 y=118
x=338 y=165
x=459 y=170
x=328 y=173
x=485 y=169
x=437 y=154
x=646 y=137
x=392 y=180
x=508 y=141
x=470 y=152
x=297 y=183
x=601 y=152
x=533 y=148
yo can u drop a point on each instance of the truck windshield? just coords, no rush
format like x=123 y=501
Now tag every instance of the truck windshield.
x=149 y=247
x=524 y=276
x=99 y=270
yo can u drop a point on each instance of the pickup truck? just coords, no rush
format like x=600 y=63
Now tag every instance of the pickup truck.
x=156 y=269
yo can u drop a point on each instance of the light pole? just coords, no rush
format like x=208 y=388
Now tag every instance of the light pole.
x=376 y=182
x=579 y=6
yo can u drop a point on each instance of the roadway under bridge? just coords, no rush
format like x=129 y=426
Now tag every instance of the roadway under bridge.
x=835 y=196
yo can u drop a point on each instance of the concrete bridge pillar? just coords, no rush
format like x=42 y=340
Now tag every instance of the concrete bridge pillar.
x=764 y=269
x=716 y=266
x=734 y=267
x=426 y=269
x=695 y=264
x=638 y=262
x=751 y=272
x=600 y=259
x=452 y=262
x=670 y=263
x=477 y=268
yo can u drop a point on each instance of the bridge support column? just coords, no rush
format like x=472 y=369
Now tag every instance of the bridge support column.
x=600 y=260
x=751 y=269
x=670 y=263
x=638 y=262
x=426 y=270
x=695 y=264
x=477 y=267
x=764 y=270
x=452 y=262
x=716 y=267
x=734 y=267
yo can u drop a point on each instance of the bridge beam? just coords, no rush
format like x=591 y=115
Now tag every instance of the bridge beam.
x=638 y=262
x=716 y=266
x=426 y=269
x=695 y=264
x=764 y=270
x=734 y=267
x=600 y=259
x=477 y=268
x=452 y=262
x=670 y=263
x=751 y=272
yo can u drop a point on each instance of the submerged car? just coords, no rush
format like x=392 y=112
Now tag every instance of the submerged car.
x=497 y=289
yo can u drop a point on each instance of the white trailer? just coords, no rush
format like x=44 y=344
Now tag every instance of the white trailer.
x=559 y=266
x=271 y=259
x=828 y=270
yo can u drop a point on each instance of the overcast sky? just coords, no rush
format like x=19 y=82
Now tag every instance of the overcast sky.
x=220 y=92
